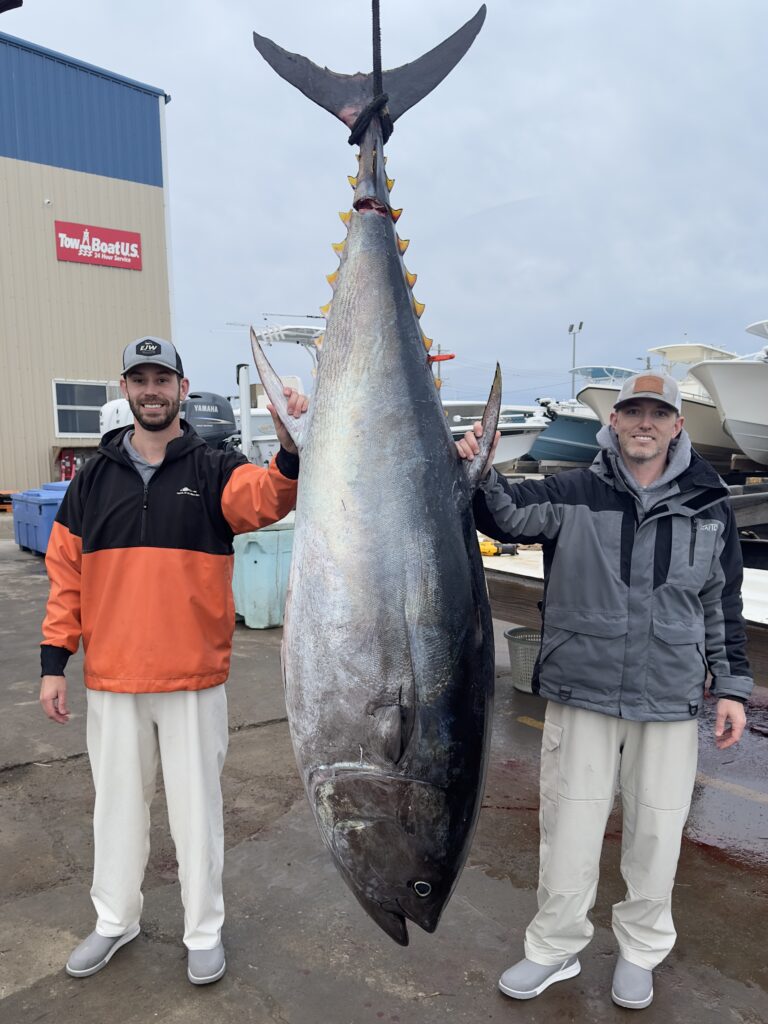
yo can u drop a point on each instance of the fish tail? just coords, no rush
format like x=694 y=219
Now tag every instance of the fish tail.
x=346 y=96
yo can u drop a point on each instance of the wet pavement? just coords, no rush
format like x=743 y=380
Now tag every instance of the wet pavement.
x=299 y=948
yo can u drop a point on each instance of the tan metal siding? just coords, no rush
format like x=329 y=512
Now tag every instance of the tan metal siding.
x=67 y=320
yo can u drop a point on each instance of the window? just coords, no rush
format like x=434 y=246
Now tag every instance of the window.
x=76 y=405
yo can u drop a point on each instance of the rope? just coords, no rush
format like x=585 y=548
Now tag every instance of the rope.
x=377 y=86
x=377 y=106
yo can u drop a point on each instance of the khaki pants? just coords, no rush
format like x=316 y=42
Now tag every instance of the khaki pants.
x=582 y=754
x=128 y=734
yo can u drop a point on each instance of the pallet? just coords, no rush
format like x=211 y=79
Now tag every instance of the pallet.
x=6 y=505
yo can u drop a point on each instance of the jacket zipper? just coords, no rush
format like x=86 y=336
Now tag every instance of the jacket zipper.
x=144 y=508
x=692 y=546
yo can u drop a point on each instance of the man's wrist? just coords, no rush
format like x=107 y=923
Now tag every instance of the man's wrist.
x=288 y=463
x=53 y=660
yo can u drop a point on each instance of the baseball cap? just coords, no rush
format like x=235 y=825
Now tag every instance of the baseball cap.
x=660 y=386
x=156 y=351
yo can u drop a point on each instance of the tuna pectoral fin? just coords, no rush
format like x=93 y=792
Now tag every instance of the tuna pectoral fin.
x=274 y=388
x=476 y=468
x=346 y=95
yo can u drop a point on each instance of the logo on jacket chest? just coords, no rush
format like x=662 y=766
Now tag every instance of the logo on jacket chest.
x=188 y=492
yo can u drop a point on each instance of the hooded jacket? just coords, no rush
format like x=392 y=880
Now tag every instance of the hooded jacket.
x=642 y=591
x=143 y=573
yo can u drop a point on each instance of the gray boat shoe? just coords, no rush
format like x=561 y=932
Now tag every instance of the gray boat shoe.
x=632 y=985
x=96 y=951
x=526 y=979
x=206 y=965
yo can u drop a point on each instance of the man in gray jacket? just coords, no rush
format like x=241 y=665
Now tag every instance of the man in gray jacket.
x=642 y=585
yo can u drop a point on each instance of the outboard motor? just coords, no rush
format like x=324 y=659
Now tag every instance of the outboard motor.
x=211 y=416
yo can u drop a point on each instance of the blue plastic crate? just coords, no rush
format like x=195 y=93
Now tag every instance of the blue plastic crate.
x=33 y=514
x=260 y=577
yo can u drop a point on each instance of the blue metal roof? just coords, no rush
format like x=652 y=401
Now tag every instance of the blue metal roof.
x=60 y=111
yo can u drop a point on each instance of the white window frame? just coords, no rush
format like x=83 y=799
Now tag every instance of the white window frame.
x=111 y=390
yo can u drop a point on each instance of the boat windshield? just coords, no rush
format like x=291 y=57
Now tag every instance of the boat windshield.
x=602 y=374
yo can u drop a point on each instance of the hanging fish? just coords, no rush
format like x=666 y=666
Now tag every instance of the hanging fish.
x=388 y=645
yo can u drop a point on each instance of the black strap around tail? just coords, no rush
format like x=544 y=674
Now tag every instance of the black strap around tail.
x=377 y=106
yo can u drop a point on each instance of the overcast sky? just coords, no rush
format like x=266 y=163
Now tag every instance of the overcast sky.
x=602 y=161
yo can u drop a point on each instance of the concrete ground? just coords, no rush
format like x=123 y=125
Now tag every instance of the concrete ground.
x=299 y=948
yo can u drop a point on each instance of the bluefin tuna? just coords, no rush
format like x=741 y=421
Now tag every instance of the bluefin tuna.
x=387 y=650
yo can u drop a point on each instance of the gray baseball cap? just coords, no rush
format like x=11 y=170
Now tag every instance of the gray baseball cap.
x=660 y=386
x=156 y=351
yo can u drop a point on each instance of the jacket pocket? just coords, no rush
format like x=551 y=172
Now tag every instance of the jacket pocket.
x=581 y=651
x=677 y=667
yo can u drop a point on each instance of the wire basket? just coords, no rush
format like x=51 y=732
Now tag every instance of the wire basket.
x=523 y=644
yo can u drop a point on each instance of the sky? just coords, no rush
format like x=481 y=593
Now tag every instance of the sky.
x=594 y=161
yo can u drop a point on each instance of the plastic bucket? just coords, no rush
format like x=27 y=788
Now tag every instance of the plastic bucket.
x=523 y=644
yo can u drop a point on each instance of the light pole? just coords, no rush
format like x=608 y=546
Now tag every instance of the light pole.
x=573 y=330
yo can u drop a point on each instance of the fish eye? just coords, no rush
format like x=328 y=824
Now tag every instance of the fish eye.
x=422 y=889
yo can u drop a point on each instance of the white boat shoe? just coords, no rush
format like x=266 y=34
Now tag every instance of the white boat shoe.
x=632 y=986
x=526 y=979
x=96 y=951
x=205 y=966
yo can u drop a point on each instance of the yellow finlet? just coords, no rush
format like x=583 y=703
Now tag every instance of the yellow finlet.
x=352 y=180
x=325 y=310
x=427 y=342
x=332 y=278
x=390 y=183
x=395 y=214
x=338 y=247
x=319 y=340
x=418 y=307
x=346 y=217
x=410 y=278
x=402 y=244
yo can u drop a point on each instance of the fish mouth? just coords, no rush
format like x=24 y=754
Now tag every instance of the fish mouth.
x=389 y=837
x=370 y=204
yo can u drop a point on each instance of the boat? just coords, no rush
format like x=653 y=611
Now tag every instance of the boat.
x=572 y=432
x=702 y=419
x=739 y=389
x=519 y=426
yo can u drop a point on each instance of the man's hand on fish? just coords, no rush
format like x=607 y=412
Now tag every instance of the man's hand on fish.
x=468 y=446
x=297 y=406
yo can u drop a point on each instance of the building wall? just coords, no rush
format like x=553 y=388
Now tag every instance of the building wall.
x=67 y=320
x=86 y=148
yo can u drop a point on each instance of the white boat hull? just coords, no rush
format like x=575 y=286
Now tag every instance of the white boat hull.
x=516 y=440
x=702 y=420
x=739 y=388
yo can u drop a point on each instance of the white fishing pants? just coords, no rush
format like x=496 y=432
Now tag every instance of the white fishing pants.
x=128 y=734
x=582 y=753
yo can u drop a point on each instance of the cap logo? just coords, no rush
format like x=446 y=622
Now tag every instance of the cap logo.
x=147 y=348
x=649 y=383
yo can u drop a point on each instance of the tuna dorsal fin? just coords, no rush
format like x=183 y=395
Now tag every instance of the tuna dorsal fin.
x=346 y=95
x=476 y=467
x=274 y=388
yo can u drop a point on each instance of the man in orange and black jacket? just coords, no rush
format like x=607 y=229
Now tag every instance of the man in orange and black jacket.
x=140 y=564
